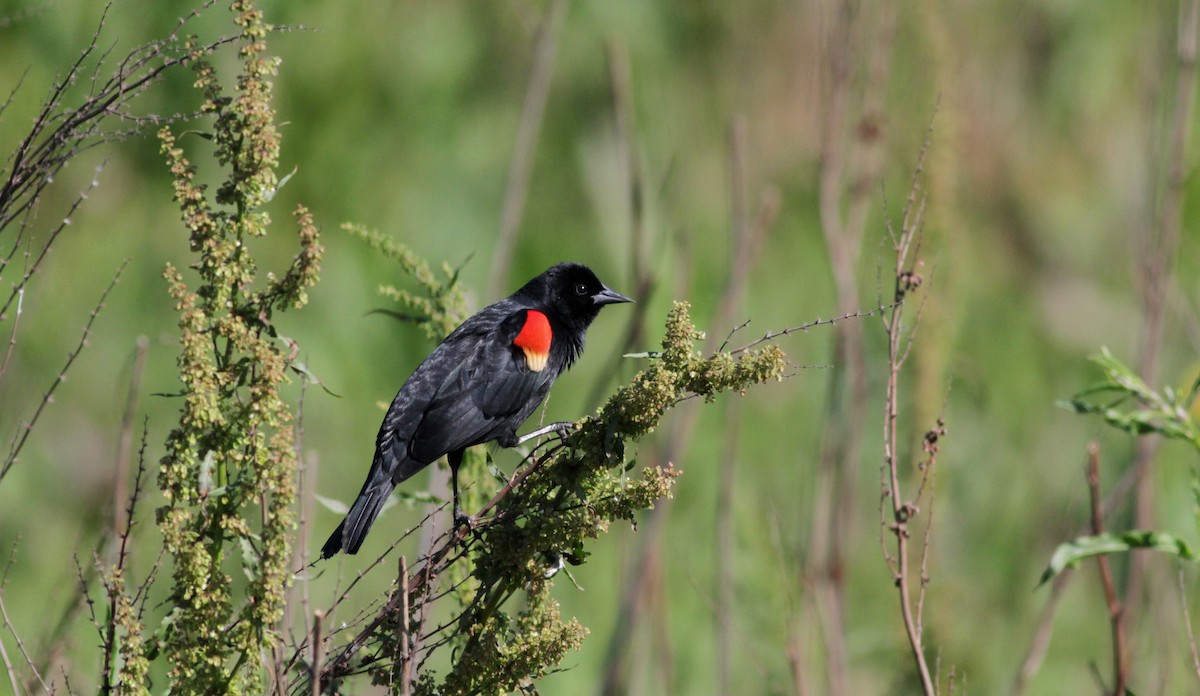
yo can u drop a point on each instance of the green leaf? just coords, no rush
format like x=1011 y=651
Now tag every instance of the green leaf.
x=1076 y=405
x=411 y=498
x=1191 y=397
x=331 y=504
x=1071 y=553
x=1099 y=388
x=1141 y=422
x=302 y=370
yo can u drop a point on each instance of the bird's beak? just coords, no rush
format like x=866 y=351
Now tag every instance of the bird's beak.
x=609 y=296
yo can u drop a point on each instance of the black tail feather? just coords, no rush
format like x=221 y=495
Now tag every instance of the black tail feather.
x=334 y=543
x=350 y=533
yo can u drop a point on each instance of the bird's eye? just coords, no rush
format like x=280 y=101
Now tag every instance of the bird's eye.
x=581 y=289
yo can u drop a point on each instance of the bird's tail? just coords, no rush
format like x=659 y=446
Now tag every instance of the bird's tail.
x=350 y=533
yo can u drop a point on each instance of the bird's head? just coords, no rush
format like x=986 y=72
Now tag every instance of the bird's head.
x=571 y=292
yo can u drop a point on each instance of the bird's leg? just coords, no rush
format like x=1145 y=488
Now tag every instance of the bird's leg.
x=455 y=460
x=561 y=428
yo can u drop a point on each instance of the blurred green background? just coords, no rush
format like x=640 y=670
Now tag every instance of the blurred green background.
x=1047 y=163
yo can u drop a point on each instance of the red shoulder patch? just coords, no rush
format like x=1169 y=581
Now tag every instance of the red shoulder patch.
x=535 y=334
x=534 y=339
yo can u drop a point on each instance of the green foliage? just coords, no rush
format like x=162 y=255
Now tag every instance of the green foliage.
x=546 y=515
x=440 y=307
x=505 y=653
x=134 y=673
x=1071 y=553
x=229 y=472
x=1163 y=412
x=570 y=497
x=402 y=114
x=1135 y=408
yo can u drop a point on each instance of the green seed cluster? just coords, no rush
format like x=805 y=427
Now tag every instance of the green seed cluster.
x=572 y=497
x=229 y=471
x=439 y=306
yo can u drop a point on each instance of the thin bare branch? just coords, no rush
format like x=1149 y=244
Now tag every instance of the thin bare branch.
x=804 y=328
x=405 y=646
x=298 y=654
x=897 y=517
x=19 y=287
x=931 y=449
x=12 y=335
x=125 y=437
x=20 y=646
x=60 y=133
x=1115 y=612
x=115 y=588
x=1039 y=641
x=23 y=435
x=315 y=667
x=85 y=584
x=8 y=665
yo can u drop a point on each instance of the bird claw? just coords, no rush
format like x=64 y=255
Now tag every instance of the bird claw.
x=560 y=430
x=462 y=519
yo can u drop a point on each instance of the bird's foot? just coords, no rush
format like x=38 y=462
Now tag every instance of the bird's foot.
x=463 y=521
x=559 y=429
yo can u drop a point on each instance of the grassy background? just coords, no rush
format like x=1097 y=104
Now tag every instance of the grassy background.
x=1046 y=164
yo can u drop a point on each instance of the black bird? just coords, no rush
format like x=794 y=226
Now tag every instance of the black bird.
x=478 y=386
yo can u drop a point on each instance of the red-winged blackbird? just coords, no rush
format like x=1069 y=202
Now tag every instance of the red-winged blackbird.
x=479 y=385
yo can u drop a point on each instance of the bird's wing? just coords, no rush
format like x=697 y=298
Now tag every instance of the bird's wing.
x=486 y=395
x=407 y=411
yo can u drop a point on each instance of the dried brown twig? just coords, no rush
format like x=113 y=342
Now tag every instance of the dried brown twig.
x=74 y=117
x=1116 y=613
x=897 y=517
x=1039 y=641
x=61 y=131
x=805 y=327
